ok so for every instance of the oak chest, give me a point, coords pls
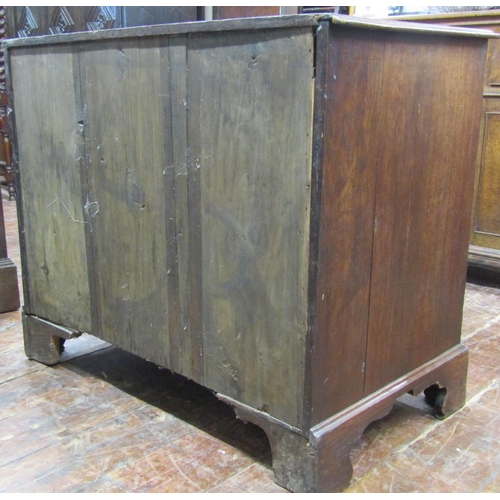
(276, 208)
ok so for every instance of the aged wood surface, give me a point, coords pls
(484, 234)
(130, 199)
(424, 180)
(147, 292)
(351, 140)
(272, 22)
(407, 27)
(43, 340)
(55, 257)
(254, 271)
(319, 461)
(177, 174)
(281, 215)
(321, 71)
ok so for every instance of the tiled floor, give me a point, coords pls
(111, 422)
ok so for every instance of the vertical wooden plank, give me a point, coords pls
(424, 196)
(461, 154)
(351, 141)
(251, 155)
(321, 71)
(195, 274)
(89, 209)
(131, 196)
(49, 160)
(179, 175)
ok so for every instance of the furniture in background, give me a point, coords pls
(9, 288)
(484, 249)
(6, 170)
(309, 274)
(29, 21)
(226, 12)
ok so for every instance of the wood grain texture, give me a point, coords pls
(131, 203)
(281, 215)
(254, 269)
(43, 340)
(54, 237)
(487, 20)
(487, 220)
(351, 141)
(483, 232)
(493, 62)
(177, 176)
(272, 22)
(424, 196)
(320, 462)
(318, 150)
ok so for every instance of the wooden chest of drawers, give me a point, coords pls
(276, 208)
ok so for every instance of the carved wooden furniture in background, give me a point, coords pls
(28, 21)
(43, 20)
(276, 208)
(6, 169)
(9, 288)
(484, 250)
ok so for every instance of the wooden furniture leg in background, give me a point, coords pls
(9, 288)
(7, 170)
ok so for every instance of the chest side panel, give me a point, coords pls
(424, 197)
(353, 86)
